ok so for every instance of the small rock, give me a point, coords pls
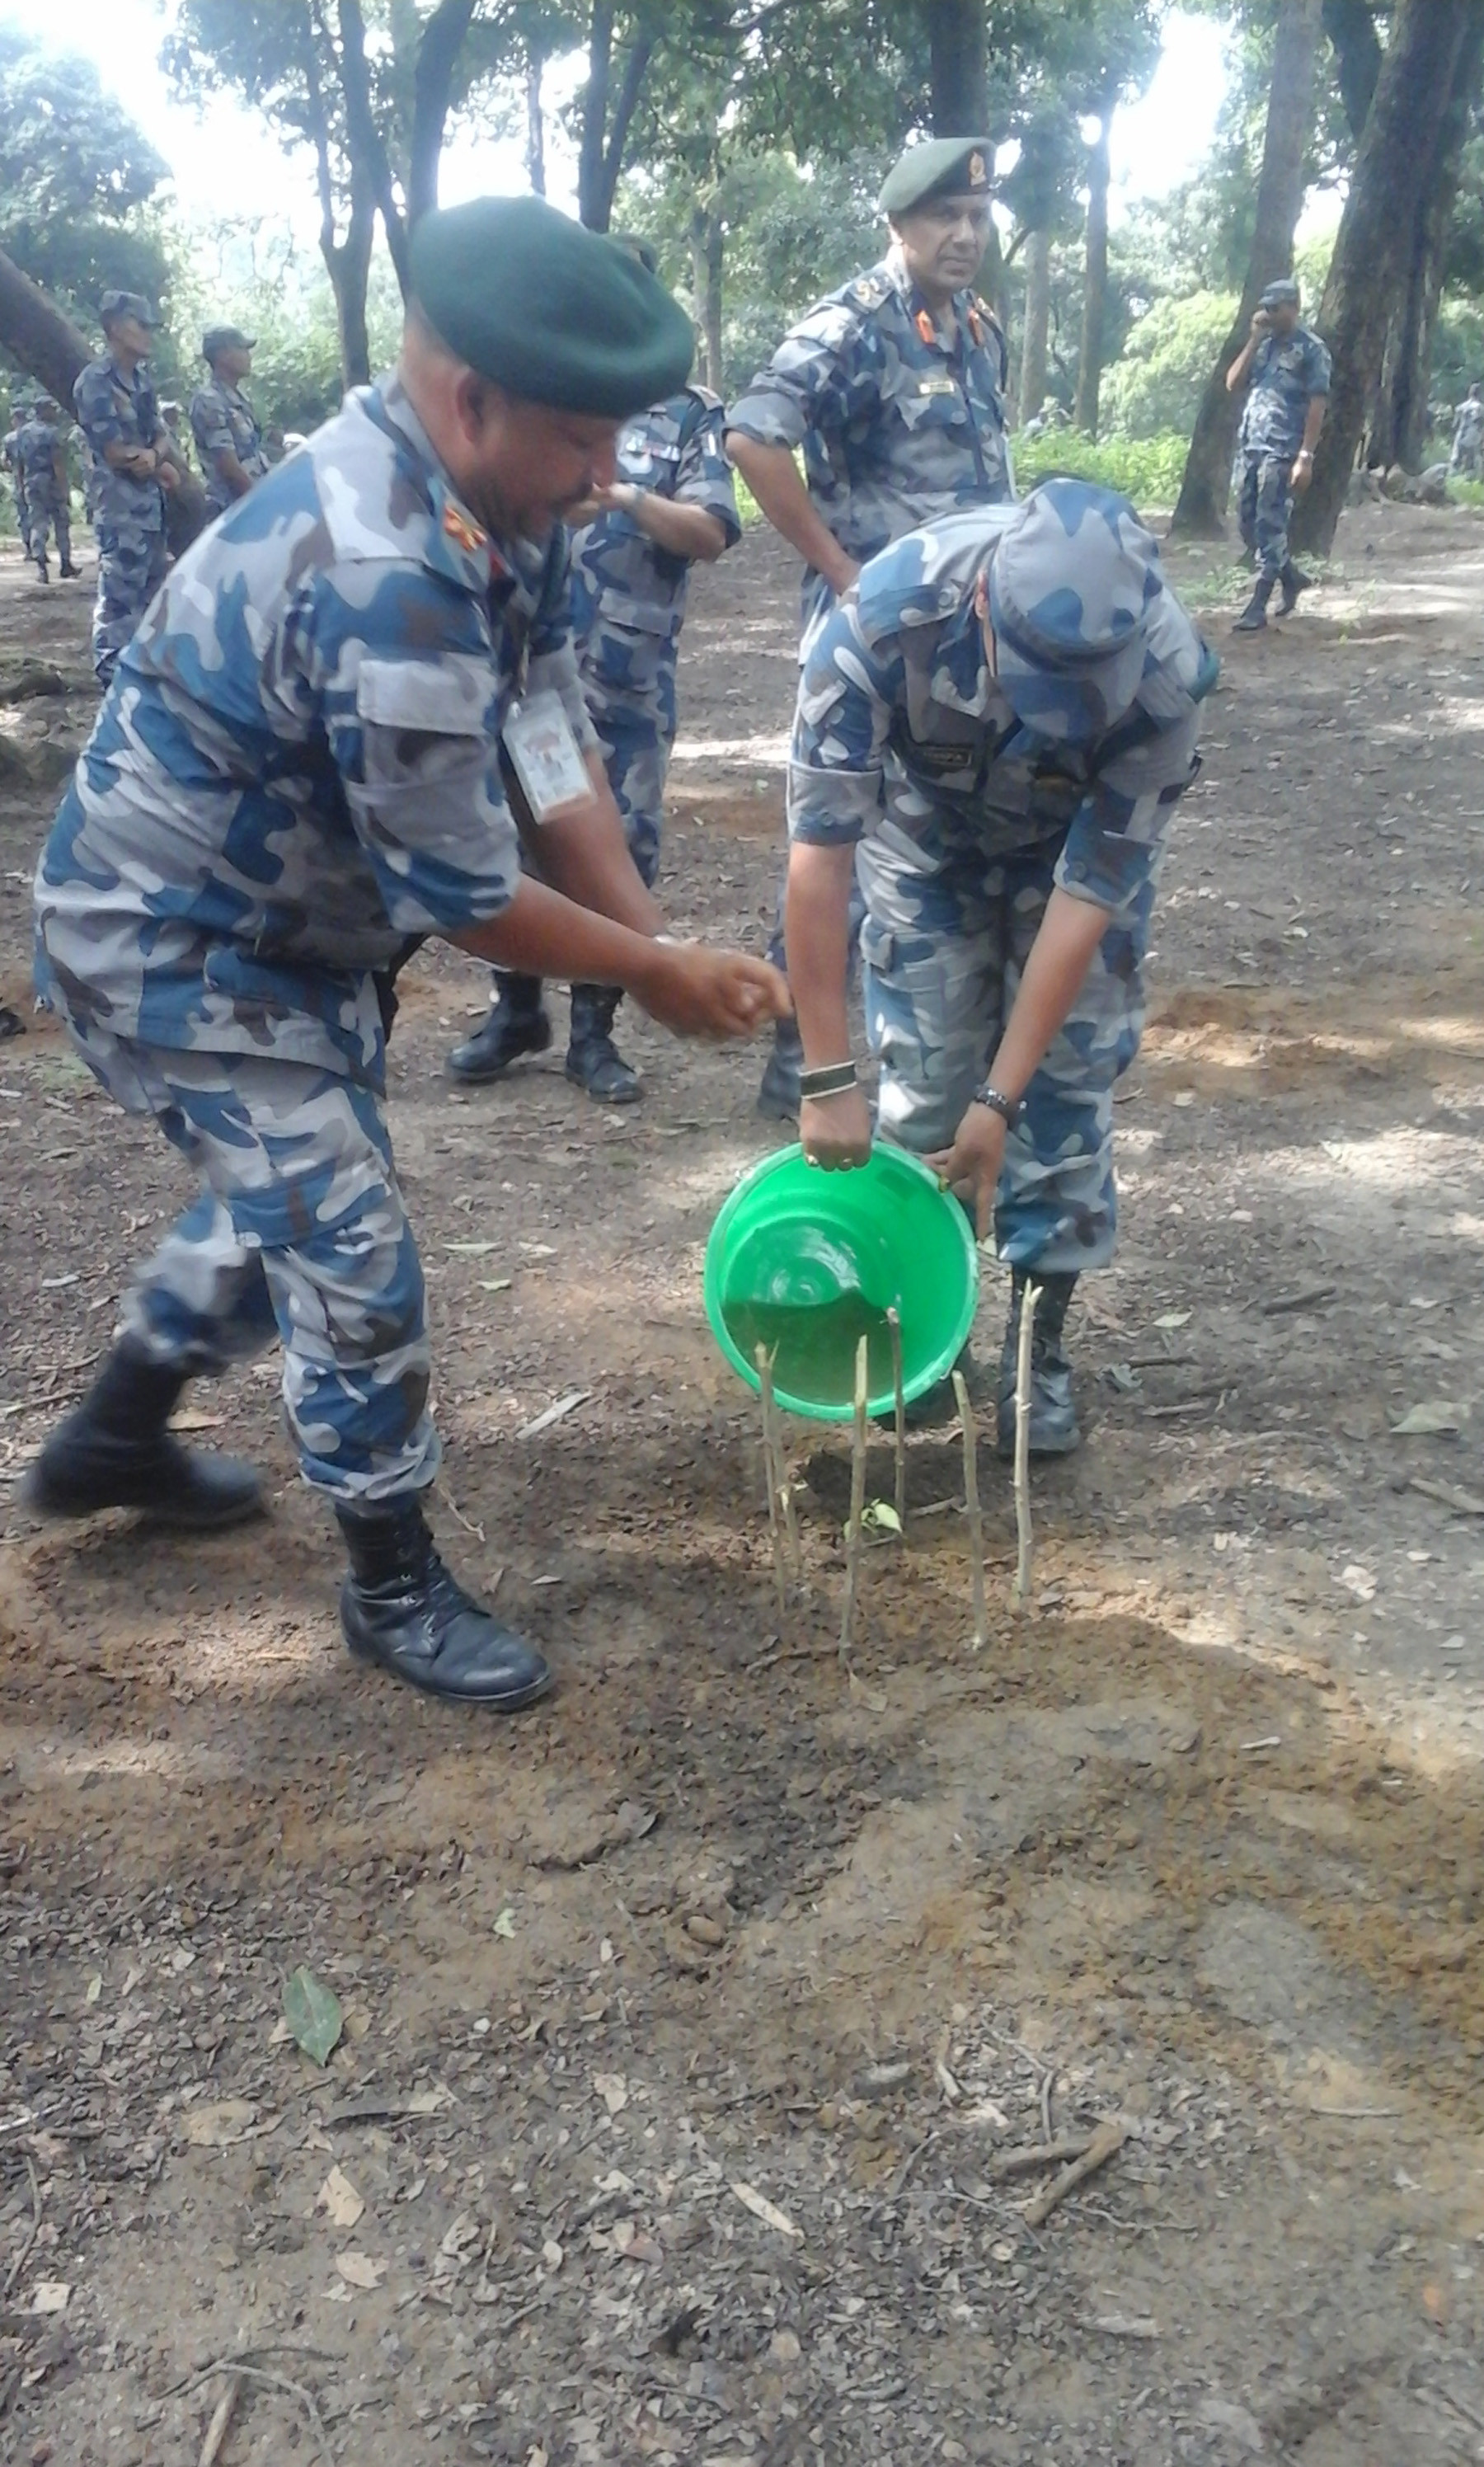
(783, 2348)
(705, 1931)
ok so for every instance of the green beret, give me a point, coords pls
(551, 311)
(949, 166)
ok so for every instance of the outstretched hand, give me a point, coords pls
(719, 994)
(972, 1166)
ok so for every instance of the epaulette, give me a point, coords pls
(867, 292)
(704, 396)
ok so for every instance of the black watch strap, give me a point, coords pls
(1008, 1108)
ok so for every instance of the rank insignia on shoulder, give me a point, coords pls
(459, 529)
(869, 291)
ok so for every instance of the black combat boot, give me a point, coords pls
(778, 1099)
(1254, 619)
(1294, 580)
(592, 1059)
(517, 1025)
(1053, 1418)
(42, 567)
(117, 1451)
(69, 571)
(400, 1607)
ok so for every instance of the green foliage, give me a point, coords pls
(76, 178)
(1156, 387)
(247, 272)
(1147, 470)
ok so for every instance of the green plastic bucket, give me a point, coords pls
(807, 1262)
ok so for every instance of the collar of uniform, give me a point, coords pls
(458, 544)
(915, 303)
(960, 677)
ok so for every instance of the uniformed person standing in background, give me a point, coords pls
(673, 504)
(1467, 452)
(265, 816)
(228, 439)
(119, 414)
(10, 457)
(993, 732)
(41, 449)
(1287, 371)
(893, 387)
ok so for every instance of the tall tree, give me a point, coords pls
(1399, 424)
(1281, 195)
(1393, 175)
(75, 173)
(1120, 50)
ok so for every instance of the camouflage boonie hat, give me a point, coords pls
(226, 338)
(125, 304)
(1069, 585)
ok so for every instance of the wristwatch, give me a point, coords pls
(1008, 1108)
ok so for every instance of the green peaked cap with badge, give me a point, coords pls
(947, 166)
(554, 313)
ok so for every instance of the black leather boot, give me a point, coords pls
(400, 1607)
(592, 1059)
(517, 1025)
(1254, 619)
(115, 1451)
(778, 1099)
(1294, 580)
(42, 567)
(69, 571)
(1053, 1416)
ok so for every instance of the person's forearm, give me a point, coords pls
(691, 532)
(816, 933)
(543, 933)
(230, 474)
(1313, 421)
(772, 474)
(582, 852)
(1236, 374)
(1060, 957)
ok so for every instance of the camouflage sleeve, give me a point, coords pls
(1118, 832)
(552, 656)
(1318, 367)
(403, 678)
(704, 475)
(846, 695)
(211, 426)
(98, 412)
(815, 380)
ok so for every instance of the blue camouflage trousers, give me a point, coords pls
(1264, 508)
(635, 734)
(947, 934)
(299, 1234)
(131, 564)
(50, 512)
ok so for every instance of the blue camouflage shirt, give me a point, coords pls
(901, 729)
(900, 414)
(37, 446)
(297, 767)
(114, 409)
(629, 593)
(223, 422)
(1287, 372)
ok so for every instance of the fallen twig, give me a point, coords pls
(1025, 1532)
(18, 2261)
(971, 1501)
(221, 2417)
(1105, 2142)
(1463, 1502)
(269, 2380)
(1307, 1298)
(854, 1531)
(1029, 2162)
(771, 1474)
(899, 1429)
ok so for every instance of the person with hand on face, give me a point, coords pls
(672, 506)
(993, 731)
(1287, 371)
(138, 459)
(295, 776)
(222, 421)
(894, 389)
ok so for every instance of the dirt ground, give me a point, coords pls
(690, 2020)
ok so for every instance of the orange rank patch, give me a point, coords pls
(457, 525)
(926, 326)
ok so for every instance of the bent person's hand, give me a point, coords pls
(972, 1166)
(720, 994)
(836, 1131)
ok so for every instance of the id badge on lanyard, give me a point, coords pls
(548, 760)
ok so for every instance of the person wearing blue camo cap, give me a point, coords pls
(993, 731)
(1285, 368)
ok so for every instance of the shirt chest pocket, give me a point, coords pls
(650, 462)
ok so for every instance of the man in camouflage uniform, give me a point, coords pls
(893, 387)
(119, 414)
(41, 450)
(229, 441)
(1288, 370)
(673, 503)
(297, 772)
(994, 727)
(1468, 450)
(10, 457)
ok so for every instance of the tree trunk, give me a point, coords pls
(959, 57)
(1206, 481)
(433, 83)
(1351, 26)
(1404, 408)
(535, 123)
(366, 147)
(1393, 175)
(1094, 293)
(347, 262)
(1037, 320)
